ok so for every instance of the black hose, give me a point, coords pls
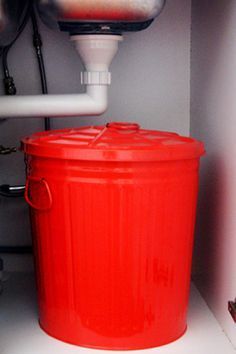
(37, 41)
(18, 191)
(8, 47)
(12, 191)
(10, 89)
(16, 250)
(9, 85)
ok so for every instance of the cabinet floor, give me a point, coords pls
(21, 334)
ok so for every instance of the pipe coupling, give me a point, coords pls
(96, 78)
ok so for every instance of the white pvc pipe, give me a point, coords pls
(97, 52)
(94, 102)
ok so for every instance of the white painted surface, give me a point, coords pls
(150, 85)
(213, 120)
(20, 332)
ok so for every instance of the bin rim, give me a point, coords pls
(117, 141)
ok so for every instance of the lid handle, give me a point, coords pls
(123, 126)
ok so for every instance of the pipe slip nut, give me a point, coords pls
(96, 78)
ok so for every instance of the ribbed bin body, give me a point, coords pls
(113, 246)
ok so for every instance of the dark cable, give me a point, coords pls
(16, 249)
(37, 42)
(12, 191)
(18, 191)
(10, 88)
(20, 30)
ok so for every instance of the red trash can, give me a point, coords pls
(113, 213)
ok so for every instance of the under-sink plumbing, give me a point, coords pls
(97, 52)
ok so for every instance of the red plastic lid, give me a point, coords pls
(113, 142)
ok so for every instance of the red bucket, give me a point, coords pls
(113, 213)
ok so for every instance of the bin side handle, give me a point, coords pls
(45, 185)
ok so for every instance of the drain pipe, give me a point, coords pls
(97, 53)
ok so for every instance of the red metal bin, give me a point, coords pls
(113, 213)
